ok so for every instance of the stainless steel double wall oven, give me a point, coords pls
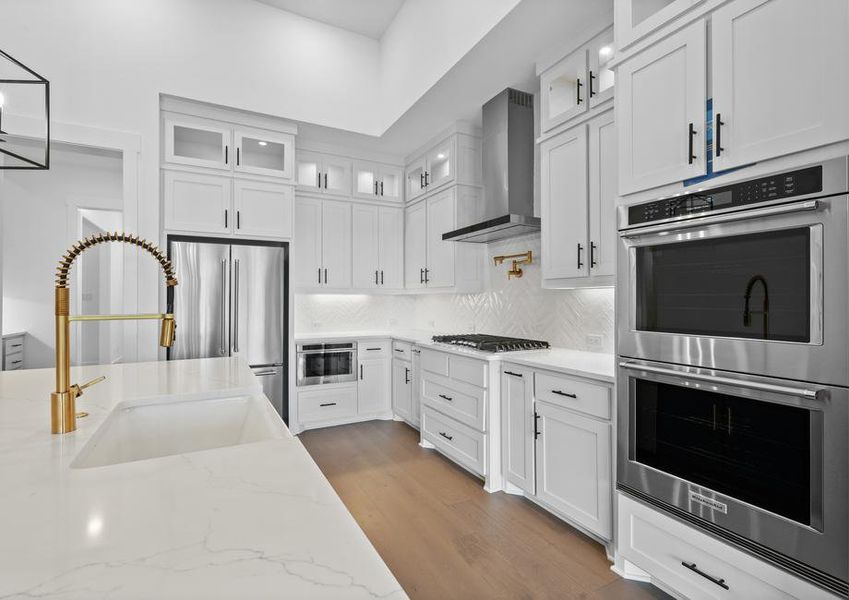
(733, 381)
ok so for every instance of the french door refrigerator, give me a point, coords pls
(232, 301)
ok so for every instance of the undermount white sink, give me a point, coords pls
(165, 426)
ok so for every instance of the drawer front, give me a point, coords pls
(468, 370)
(402, 350)
(460, 443)
(13, 362)
(327, 405)
(697, 565)
(467, 405)
(13, 345)
(435, 362)
(576, 394)
(373, 348)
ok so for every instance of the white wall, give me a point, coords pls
(38, 209)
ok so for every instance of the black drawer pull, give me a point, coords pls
(373, 349)
(444, 397)
(16, 345)
(16, 362)
(399, 350)
(328, 404)
(512, 373)
(567, 394)
(446, 436)
(692, 566)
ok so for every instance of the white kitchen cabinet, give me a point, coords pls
(454, 159)
(660, 106)
(564, 209)
(197, 202)
(573, 469)
(373, 387)
(197, 142)
(415, 178)
(376, 181)
(378, 246)
(601, 78)
(402, 389)
(323, 173)
(267, 153)
(441, 218)
(635, 19)
(564, 90)
(415, 245)
(322, 249)
(440, 164)
(322, 405)
(263, 209)
(518, 426)
(780, 78)
(416, 393)
(603, 193)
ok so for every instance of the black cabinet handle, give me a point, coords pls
(325, 276)
(512, 373)
(374, 349)
(226, 220)
(592, 77)
(325, 181)
(238, 219)
(578, 90)
(427, 183)
(361, 372)
(444, 397)
(375, 188)
(375, 277)
(226, 155)
(318, 179)
(580, 249)
(719, 124)
(328, 404)
(592, 255)
(238, 156)
(381, 277)
(692, 566)
(421, 181)
(690, 156)
(421, 275)
(536, 421)
(381, 188)
(398, 350)
(446, 436)
(427, 275)
(406, 375)
(561, 393)
(319, 275)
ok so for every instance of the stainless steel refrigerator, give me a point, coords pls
(232, 301)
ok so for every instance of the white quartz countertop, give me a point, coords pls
(595, 365)
(250, 521)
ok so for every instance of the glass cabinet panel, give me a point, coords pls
(197, 145)
(336, 175)
(307, 170)
(415, 179)
(601, 76)
(564, 90)
(365, 181)
(440, 165)
(390, 184)
(262, 154)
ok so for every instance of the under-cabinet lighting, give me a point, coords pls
(605, 51)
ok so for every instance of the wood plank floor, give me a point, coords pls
(444, 537)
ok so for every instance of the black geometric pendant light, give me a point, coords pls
(24, 116)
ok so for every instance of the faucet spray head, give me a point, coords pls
(167, 331)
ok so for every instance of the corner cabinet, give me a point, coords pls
(455, 159)
(660, 108)
(322, 249)
(578, 205)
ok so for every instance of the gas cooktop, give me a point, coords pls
(490, 343)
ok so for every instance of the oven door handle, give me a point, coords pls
(725, 218)
(750, 385)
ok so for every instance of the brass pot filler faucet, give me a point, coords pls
(63, 415)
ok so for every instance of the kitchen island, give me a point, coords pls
(252, 520)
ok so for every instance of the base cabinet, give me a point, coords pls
(518, 424)
(402, 389)
(373, 387)
(326, 404)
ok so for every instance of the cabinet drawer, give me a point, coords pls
(435, 362)
(13, 345)
(457, 441)
(373, 348)
(466, 405)
(327, 405)
(672, 551)
(402, 350)
(13, 362)
(576, 394)
(468, 370)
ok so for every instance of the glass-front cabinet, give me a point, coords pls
(601, 76)
(634, 19)
(197, 143)
(440, 164)
(376, 181)
(264, 153)
(564, 90)
(416, 178)
(323, 173)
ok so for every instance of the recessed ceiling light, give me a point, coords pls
(263, 143)
(440, 156)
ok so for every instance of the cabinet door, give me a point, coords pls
(366, 267)
(197, 144)
(197, 202)
(564, 90)
(372, 387)
(366, 180)
(601, 76)
(564, 205)
(265, 153)
(391, 183)
(402, 388)
(415, 178)
(604, 170)
(307, 171)
(439, 270)
(440, 164)
(336, 175)
(780, 77)
(336, 244)
(306, 255)
(263, 209)
(390, 244)
(573, 467)
(660, 106)
(415, 245)
(517, 427)
(416, 392)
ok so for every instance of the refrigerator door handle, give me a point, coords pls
(221, 348)
(265, 373)
(236, 305)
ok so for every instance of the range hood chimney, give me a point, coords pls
(508, 171)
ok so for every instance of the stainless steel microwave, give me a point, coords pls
(328, 362)
(751, 277)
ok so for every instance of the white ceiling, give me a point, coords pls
(366, 17)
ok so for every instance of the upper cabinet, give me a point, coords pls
(455, 159)
(322, 249)
(376, 181)
(577, 82)
(635, 19)
(323, 173)
(378, 247)
(217, 145)
(780, 78)
(660, 110)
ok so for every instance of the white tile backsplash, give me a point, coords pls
(518, 307)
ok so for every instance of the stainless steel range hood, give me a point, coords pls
(508, 171)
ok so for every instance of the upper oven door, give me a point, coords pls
(751, 291)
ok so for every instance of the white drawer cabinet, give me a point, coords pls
(575, 394)
(463, 402)
(13, 351)
(459, 442)
(327, 404)
(402, 350)
(698, 566)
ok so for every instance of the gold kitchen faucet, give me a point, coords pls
(63, 415)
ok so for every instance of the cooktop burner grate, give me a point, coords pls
(491, 343)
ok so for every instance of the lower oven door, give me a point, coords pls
(760, 462)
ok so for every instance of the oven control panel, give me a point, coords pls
(775, 187)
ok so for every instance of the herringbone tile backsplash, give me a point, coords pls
(518, 307)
